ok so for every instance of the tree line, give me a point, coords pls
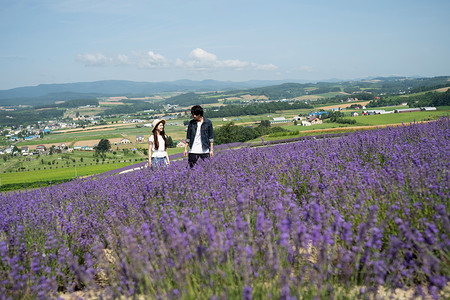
(70, 103)
(193, 99)
(427, 99)
(28, 116)
(254, 109)
(231, 133)
(131, 108)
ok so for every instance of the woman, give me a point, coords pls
(157, 145)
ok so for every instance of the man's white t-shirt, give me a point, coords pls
(197, 145)
(160, 152)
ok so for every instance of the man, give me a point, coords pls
(199, 137)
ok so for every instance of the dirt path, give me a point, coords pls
(343, 105)
(361, 127)
(96, 128)
(6, 166)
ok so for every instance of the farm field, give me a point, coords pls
(59, 174)
(66, 166)
(399, 118)
(177, 132)
(360, 216)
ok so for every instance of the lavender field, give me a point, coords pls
(335, 218)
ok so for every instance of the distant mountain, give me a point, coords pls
(50, 93)
(67, 91)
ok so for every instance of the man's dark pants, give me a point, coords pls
(193, 157)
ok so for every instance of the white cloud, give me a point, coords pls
(198, 60)
(123, 59)
(268, 67)
(141, 60)
(94, 59)
(151, 60)
(308, 69)
(201, 55)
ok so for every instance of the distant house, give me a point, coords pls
(297, 118)
(354, 114)
(427, 108)
(25, 150)
(139, 139)
(40, 148)
(318, 113)
(9, 150)
(60, 147)
(125, 141)
(181, 144)
(314, 120)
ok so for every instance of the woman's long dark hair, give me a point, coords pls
(155, 138)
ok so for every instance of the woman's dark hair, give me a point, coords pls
(155, 138)
(197, 110)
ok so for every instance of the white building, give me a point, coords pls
(279, 120)
(306, 123)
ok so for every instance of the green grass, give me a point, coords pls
(59, 173)
(397, 118)
(62, 167)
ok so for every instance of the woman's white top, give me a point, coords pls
(160, 151)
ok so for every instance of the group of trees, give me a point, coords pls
(70, 103)
(131, 108)
(427, 99)
(255, 109)
(28, 116)
(431, 99)
(338, 117)
(231, 133)
(105, 145)
(193, 99)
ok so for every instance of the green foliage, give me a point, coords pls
(192, 99)
(103, 146)
(71, 103)
(338, 117)
(31, 185)
(282, 91)
(424, 100)
(170, 142)
(231, 133)
(386, 102)
(255, 109)
(265, 123)
(432, 99)
(131, 108)
(28, 116)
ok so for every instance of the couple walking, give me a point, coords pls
(199, 139)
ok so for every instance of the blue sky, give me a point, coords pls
(62, 41)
